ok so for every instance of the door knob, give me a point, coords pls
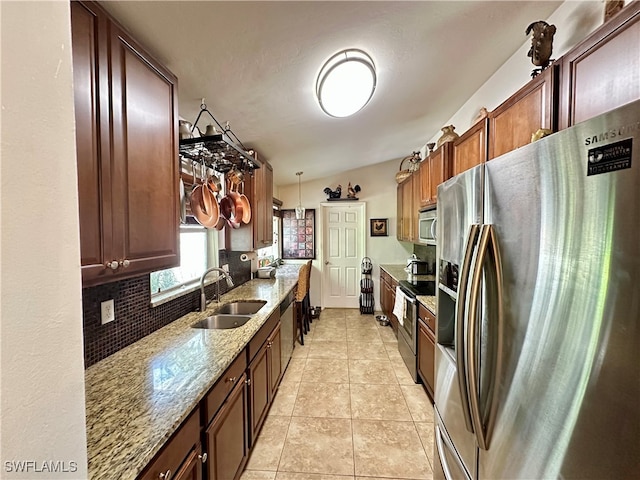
(125, 263)
(112, 265)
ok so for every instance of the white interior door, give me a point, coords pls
(343, 249)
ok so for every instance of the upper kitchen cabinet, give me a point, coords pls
(258, 233)
(407, 209)
(127, 151)
(434, 170)
(529, 109)
(602, 72)
(470, 149)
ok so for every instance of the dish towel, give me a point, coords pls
(399, 306)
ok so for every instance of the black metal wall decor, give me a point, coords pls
(298, 236)
(336, 195)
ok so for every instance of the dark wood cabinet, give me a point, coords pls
(470, 149)
(182, 453)
(426, 348)
(127, 151)
(258, 233)
(531, 108)
(603, 71)
(434, 170)
(192, 467)
(388, 298)
(426, 357)
(265, 372)
(227, 436)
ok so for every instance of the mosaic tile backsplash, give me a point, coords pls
(135, 318)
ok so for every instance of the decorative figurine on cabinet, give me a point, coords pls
(352, 191)
(541, 45)
(333, 194)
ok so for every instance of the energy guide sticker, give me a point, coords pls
(609, 158)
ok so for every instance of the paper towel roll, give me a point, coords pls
(250, 257)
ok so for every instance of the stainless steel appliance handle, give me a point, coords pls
(487, 250)
(433, 229)
(460, 335)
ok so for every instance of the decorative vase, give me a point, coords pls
(448, 135)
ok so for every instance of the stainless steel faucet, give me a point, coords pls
(203, 297)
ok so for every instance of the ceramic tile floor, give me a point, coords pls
(347, 409)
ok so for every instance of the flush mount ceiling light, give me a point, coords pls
(346, 83)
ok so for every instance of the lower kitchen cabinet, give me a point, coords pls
(191, 469)
(264, 377)
(426, 348)
(181, 456)
(227, 440)
(388, 298)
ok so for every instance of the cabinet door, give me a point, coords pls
(192, 467)
(90, 70)
(439, 170)
(426, 357)
(425, 182)
(227, 442)
(145, 158)
(602, 72)
(532, 107)
(259, 391)
(263, 226)
(470, 149)
(274, 347)
(406, 189)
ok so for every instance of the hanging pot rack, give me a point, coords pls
(222, 151)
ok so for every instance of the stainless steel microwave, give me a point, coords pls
(427, 227)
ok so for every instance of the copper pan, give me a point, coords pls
(246, 207)
(237, 216)
(203, 205)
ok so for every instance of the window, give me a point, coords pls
(198, 251)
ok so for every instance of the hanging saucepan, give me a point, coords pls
(246, 207)
(203, 205)
(228, 208)
(237, 218)
(183, 202)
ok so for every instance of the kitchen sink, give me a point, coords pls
(222, 321)
(242, 308)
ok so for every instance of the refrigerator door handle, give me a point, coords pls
(487, 251)
(461, 330)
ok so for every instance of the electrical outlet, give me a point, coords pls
(108, 313)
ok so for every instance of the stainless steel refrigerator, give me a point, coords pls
(538, 341)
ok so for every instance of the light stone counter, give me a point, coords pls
(139, 396)
(398, 272)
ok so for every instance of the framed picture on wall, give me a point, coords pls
(298, 236)
(378, 227)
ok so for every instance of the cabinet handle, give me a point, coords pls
(165, 476)
(231, 379)
(248, 382)
(112, 265)
(125, 263)
(203, 457)
(269, 344)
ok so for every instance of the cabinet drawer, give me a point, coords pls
(216, 396)
(259, 338)
(427, 317)
(176, 450)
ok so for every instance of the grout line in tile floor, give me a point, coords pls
(365, 462)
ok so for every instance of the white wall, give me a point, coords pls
(379, 192)
(574, 20)
(42, 390)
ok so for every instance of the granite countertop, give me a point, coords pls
(398, 272)
(136, 398)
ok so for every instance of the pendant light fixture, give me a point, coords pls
(299, 208)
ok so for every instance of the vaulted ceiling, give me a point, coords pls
(256, 63)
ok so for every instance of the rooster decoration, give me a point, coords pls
(541, 45)
(337, 193)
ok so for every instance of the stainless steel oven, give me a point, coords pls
(408, 330)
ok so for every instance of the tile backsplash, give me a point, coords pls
(134, 316)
